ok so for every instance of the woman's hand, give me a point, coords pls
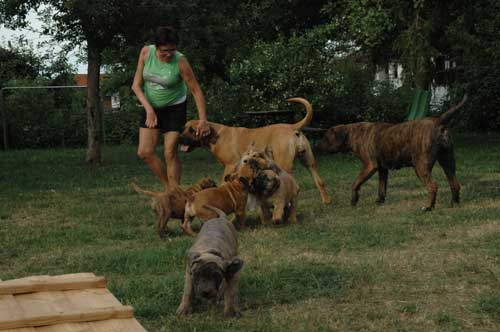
(151, 119)
(203, 128)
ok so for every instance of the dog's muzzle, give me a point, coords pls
(188, 144)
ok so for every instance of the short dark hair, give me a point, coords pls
(165, 35)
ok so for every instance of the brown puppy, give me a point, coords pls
(228, 144)
(171, 202)
(384, 146)
(230, 197)
(212, 265)
(272, 187)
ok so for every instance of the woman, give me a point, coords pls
(161, 81)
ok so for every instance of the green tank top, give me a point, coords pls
(163, 84)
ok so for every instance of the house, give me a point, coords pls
(110, 102)
(393, 72)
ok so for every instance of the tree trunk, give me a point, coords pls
(94, 109)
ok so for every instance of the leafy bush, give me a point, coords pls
(341, 89)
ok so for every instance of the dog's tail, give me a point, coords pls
(216, 210)
(445, 117)
(143, 191)
(309, 115)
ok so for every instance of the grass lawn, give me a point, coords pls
(370, 268)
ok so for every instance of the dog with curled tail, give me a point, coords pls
(213, 266)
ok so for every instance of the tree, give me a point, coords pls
(412, 31)
(92, 22)
(17, 63)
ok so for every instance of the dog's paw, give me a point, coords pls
(380, 201)
(426, 209)
(183, 311)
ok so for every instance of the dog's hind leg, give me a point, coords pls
(447, 162)
(307, 159)
(424, 172)
(186, 224)
(162, 219)
(366, 173)
(383, 174)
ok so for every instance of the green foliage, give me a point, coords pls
(341, 89)
(475, 34)
(17, 63)
(122, 126)
(38, 118)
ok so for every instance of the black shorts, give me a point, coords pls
(170, 118)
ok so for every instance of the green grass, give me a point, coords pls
(370, 268)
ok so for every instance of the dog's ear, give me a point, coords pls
(192, 258)
(245, 182)
(210, 138)
(233, 267)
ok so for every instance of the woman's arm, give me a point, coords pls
(151, 119)
(187, 75)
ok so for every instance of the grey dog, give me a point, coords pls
(212, 266)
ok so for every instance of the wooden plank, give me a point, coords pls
(92, 298)
(11, 308)
(72, 316)
(49, 285)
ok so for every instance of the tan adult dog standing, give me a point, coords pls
(384, 146)
(287, 142)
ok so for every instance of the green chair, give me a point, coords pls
(419, 105)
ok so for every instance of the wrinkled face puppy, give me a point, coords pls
(260, 159)
(246, 175)
(266, 183)
(207, 280)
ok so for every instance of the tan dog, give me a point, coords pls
(228, 144)
(171, 202)
(230, 197)
(384, 146)
(272, 187)
(212, 265)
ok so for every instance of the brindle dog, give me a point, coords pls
(212, 265)
(171, 202)
(382, 147)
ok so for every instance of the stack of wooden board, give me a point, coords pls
(70, 303)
